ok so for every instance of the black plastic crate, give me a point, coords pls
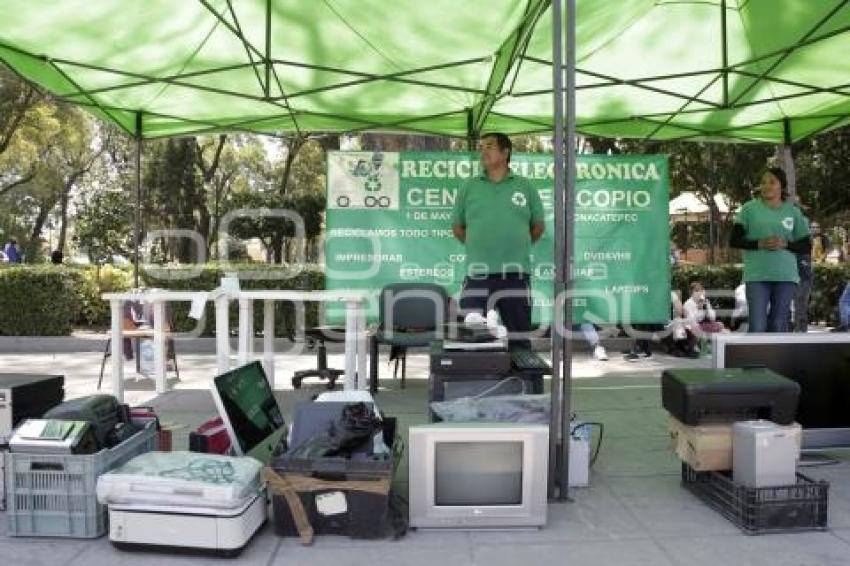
(762, 510)
(366, 515)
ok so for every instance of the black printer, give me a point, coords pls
(695, 396)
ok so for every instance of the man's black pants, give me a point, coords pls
(509, 294)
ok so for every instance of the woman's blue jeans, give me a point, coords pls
(769, 304)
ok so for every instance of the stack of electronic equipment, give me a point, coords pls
(476, 376)
(23, 396)
(55, 460)
(734, 431)
(477, 466)
(184, 500)
(335, 478)
(202, 502)
(475, 361)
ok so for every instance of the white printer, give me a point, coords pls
(206, 502)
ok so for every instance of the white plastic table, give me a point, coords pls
(355, 329)
(157, 300)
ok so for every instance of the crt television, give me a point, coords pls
(250, 412)
(818, 361)
(478, 475)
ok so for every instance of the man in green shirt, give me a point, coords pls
(498, 216)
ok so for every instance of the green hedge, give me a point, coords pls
(39, 301)
(51, 300)
(829, 282)
(94, 311)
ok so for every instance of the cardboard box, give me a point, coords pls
(708, 447)
(703, 447)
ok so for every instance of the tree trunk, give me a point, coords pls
(11, 185)
(63, 211)
(294, 146)
(277, 249)
(38, 226)
(713, 215)
(212, 242)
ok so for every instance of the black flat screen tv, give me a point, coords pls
(818, 361)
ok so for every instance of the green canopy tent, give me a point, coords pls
(732, 70)
(738, 70)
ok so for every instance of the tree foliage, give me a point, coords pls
(823, 175)
(104, 226)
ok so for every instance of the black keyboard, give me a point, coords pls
(526, 360)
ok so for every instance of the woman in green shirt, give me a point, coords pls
(771, 231)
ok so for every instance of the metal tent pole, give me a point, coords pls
(569, 246)
(786, 157)
(138, 223)
(471, 136)
(557, 336)
(712, 220)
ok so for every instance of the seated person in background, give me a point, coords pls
(674, 333)
(700, 316)
(129, 321)
(641, 347)
(138, 315)
(683, 340)
(592, 338)
(740, 312)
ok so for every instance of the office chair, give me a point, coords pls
(316, 337)
(410, 315)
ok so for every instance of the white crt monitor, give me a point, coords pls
(478, 475)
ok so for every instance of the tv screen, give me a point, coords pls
(478, 473)
(819, 362)
(249, 404)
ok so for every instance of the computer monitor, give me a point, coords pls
(818, 361)
(249, 410)
(478, 475)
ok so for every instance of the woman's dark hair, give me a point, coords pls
(779, 173)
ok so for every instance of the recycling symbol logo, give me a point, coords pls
(518, 199)
(788, 223)
(372, 183)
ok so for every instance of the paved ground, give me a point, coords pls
(634, 513)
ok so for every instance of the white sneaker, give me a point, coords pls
(600, 354)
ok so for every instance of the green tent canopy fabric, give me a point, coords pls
(733, 70)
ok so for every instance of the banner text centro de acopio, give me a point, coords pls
(389, 220)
